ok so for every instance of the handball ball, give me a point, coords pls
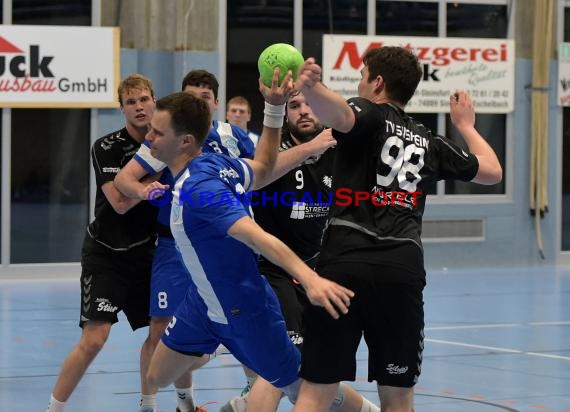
(281, 55)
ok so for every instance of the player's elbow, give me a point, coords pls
(120, 208)
(497, 175)
(489, 175)
(120, 204)
(260, 180)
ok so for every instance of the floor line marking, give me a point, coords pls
(497, 349)
(553, 323)
(482, 326)
(547, 355)
(498, 325)
(470, 345)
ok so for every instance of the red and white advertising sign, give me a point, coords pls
(483, 67)
(59, 66)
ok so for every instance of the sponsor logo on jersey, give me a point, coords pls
(228, 173)
(301, 210)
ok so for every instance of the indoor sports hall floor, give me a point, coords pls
(496, 340)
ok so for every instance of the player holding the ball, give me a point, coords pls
(229, 302)
(377, 251)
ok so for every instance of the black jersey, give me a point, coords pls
(295, 207)
(390, 157)
(118, 232)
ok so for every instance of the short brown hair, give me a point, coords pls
(202, 78)
(189, 114)
(399, 68)
(134, 82)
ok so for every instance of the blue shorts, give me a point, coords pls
(169, 281)
(259, 341)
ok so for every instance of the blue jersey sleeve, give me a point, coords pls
(229, 139)
(147, 161)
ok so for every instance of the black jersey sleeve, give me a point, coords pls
(106, 159)
(454, 162)
(365, 124)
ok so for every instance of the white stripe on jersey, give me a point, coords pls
(254, 137)
(190, 258)
(246, 175)
(144, 155)
(227, 139)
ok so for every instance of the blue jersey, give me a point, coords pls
(208, 200)
(228, 139)
(228, 302)
(163, 217)
(222, 138)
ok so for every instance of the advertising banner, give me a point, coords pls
(483, 67)
(59, 66)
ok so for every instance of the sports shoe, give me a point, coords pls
(236, 404)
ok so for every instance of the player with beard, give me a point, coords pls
(294, 208)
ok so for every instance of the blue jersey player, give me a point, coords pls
(169, 276)
(229, 302)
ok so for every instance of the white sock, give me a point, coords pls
(147, 401)
(185, 399)
(55, 405)
(368, 406)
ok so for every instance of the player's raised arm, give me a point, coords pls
(330, 107)
(266, 152)
(463, 118)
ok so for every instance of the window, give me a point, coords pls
(485, 21)
(566, 177)
(50, 160)
(408, 18)
(252, 25)
(565, 241)
(476, 20)
(61, 12)
(50, 184)
(273, 21)
(320, 17)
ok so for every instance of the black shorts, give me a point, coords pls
(292, 299)
(112, 281)
(390, 316)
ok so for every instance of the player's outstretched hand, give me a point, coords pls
(277, 94)
(461, 109)
(309, 74)
(330, 295)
